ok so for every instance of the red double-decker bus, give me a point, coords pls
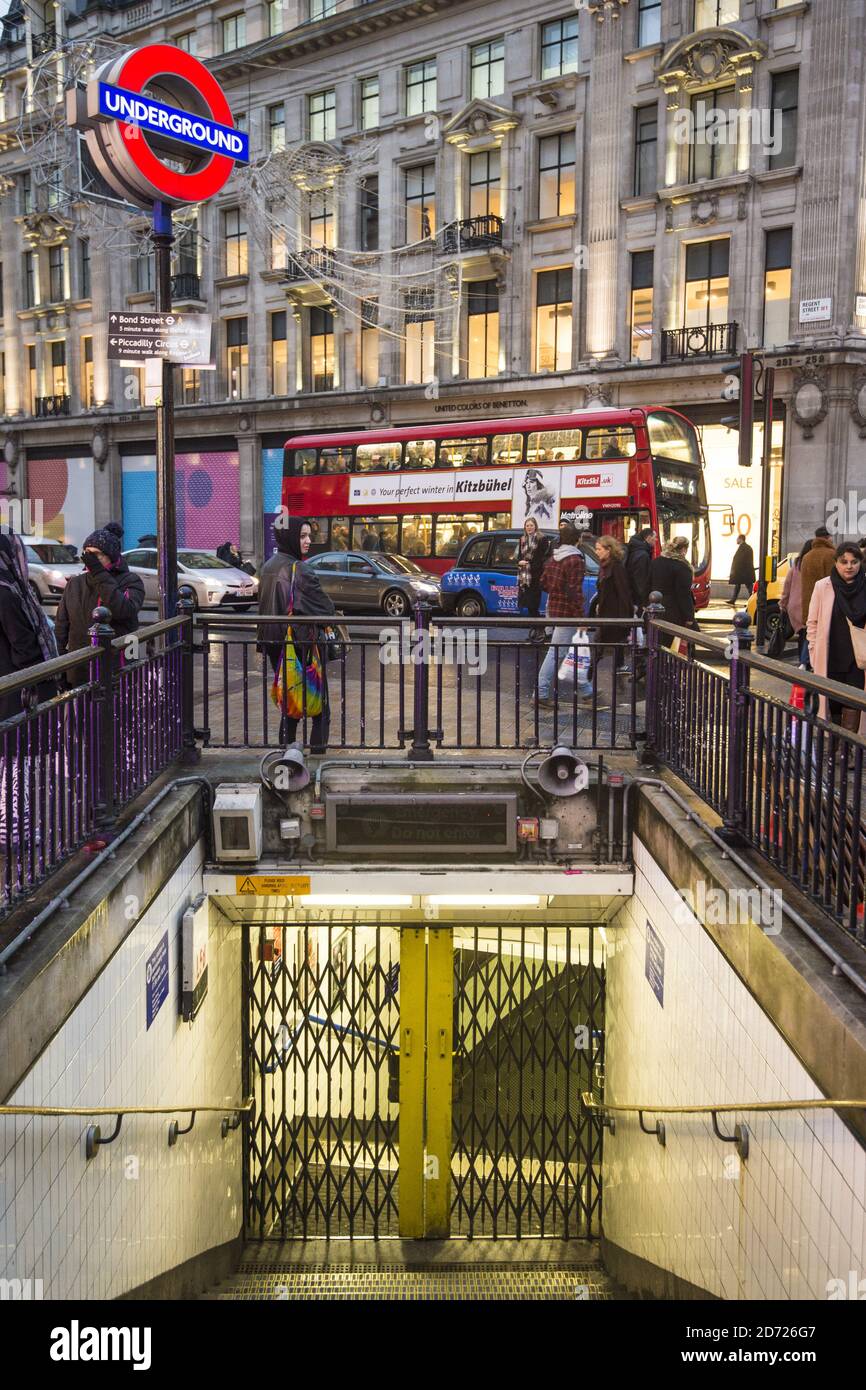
(422, 490)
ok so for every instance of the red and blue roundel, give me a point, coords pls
(150, 108)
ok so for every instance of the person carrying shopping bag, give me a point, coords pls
(562, 580)
(298, 652)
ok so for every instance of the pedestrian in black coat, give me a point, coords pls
(26, 638)
(107, 582)
(638, 563)
(742, 569)
(672, 575)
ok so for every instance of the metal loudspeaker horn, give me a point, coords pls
(286, 770)
(563, 773)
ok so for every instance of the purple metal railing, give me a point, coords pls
(398, 688)
(785, 782)
(68, 765)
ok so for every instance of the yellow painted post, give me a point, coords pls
(440, 1047)
(410, 1196)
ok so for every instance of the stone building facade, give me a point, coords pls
(474, 209)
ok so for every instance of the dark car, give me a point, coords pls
(484, 579)
(366, 579)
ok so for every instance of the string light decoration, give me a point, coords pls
(275, 191)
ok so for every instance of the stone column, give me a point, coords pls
(604, 178)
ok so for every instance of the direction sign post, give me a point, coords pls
(142, 109)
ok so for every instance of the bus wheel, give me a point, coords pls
(395, 604)
(470, 606)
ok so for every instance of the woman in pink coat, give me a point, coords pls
(791, 602)
(836, 601)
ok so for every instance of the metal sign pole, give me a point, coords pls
(765, 559)
(166, 513)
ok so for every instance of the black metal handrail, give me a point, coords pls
(304, 265)
(411, 685)
(46, 406)
(187, 285)
(708, 340)
(472, 233)
(786, 781)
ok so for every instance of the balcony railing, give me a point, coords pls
(710, 340)
(310, 265)
(186, 286)
(472, 233)
(46, 406)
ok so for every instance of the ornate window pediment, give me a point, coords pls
(713, 56)
(44, 229)
(480, 122)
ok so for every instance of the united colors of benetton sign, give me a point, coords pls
(146, 109)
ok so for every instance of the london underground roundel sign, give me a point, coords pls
(159, 127)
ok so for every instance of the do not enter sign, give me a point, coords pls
(148, 108)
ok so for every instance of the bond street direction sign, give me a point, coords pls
(180, 338)
(146, 107)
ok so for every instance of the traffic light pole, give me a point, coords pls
(765, 558)
(166, 516)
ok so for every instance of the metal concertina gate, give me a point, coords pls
(421, 1081)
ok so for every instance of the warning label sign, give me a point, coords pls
(272, 885)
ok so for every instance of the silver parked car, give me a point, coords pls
(214, 583)
(51, 564)
(366, 579)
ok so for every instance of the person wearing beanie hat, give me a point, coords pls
(285, 580)
(107, 582)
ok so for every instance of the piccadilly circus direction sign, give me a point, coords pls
(148, 109)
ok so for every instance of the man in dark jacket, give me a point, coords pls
(107, 582)
(638, 561)
(287, 582)
(742, 569)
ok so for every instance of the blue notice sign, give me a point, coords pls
(655, 963)
(156, 975)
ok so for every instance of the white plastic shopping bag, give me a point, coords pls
(576, 662)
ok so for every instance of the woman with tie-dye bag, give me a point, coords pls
(297, 653)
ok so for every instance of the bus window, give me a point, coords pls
(462, 453)
(508, 448)
(691, 525)
(497, 521)
(379, 458)
(336, 460)
(452, 531)
(375, 533)
(305, 461)
(339, 533)
(416, 536)
(553, 446)
(634, 522)
(672, 438)
(318, 533)
(421, 453)
(610, 442)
